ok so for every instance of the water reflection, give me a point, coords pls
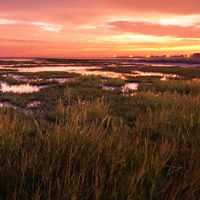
(57, 69)
(140, 73)
(88, 70)
(7, 105)
(163, 77)
(16, 77)
(130, 86)
(61, 80)
(33, 104)
(109, 88)
(124, 88)
(24, 88)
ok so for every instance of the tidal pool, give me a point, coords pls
(7, 105)
(24, 88)
(130, 86)
(61, 80)
(33, 104)
(56, 69)
(124, 88)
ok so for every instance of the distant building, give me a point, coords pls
(196, 55)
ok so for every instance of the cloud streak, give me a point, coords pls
(19, 40)
(156, 29)
(44, 26)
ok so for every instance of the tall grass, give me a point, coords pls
(146, 148)
(182, 87)
(115, 82)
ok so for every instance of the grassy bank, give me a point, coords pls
(95, 144)
(186, 72)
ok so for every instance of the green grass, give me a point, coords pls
(187, 72)
(142, 79)
(47, 75)
(119, 69)
(115, 82)
(86, 82)
(181, 87)
(11, 81)
(43, 82)
(87, 143)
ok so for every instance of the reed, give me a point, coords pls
(107, 146)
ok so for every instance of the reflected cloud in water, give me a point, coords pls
(24, 88)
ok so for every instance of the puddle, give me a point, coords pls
(8, 105)
(90, 70)
(17, 77)
(33, 104)
(109, 88)
(87, 70)
(164, 77)
(56, 69)
(125, 88)
(61, 80)
(140, 73)
(104, 74)
(24, 88)
(130, 86)
(75, 69)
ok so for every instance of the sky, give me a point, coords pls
(98, 28)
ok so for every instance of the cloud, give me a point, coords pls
(48, 27)
(20, 41)
(7, 21)
(155, 29)
(43, 26)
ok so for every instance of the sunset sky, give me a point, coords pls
(81, 28)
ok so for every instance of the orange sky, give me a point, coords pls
(81, 28)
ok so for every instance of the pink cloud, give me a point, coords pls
(156, 29)
(65, 25)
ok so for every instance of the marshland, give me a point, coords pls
(99, 129)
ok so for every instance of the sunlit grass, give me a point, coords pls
(115, 82)
(181, 87)
(94, 144)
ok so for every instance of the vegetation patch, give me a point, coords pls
(115, 82)
(82, 142)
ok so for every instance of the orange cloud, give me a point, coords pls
(88, 27)
(156, 29)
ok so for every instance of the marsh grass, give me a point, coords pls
(117, 69)
(43, 82)
(47, 75)
(115, 82)
(142, 79)
(181, 87)
(95, 144)
(87, 82)
(89, 154)
(187, 72)
(12, 81)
